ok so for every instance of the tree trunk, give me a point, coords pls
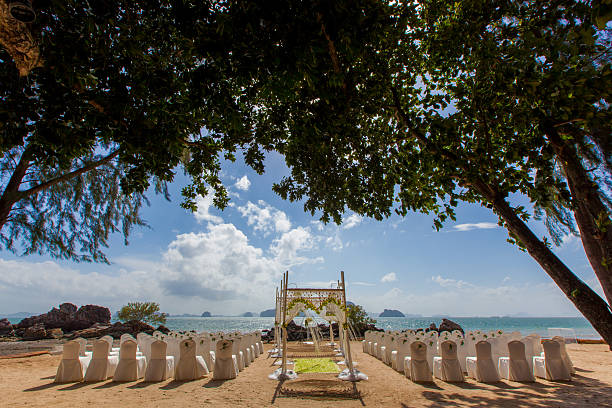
(589, 303)
(17, 39)
(11, 193)
(591, 214)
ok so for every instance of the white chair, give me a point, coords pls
(415, 366)
(551, 366)
(131, 367)
(515, 366)
(190, 366)
(403, 351)
(144, 341)
(226, 366)
(566, 358)
(259, 342)
(83, 347)
(245, 350)
(447, 367)
(102, 365)
(203, 349)
(482, 367)
(72, 366)
(236, 352)
(364, 342)
(160, 366)
(531, 349)
(387, 349)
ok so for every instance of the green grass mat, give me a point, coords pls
(315, 365)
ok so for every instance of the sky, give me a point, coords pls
(230, 262)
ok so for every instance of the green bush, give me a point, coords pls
(147, 312)
(358, 318)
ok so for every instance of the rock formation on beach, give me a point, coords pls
(68, 318)
(449, 325)
(391, 313)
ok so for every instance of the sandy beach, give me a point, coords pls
(29, 382)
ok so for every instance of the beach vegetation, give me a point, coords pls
(357, 317)
(147, 312)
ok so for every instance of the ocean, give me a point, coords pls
(579, 326)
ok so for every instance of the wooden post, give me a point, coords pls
(276, 315)
(284, 309)
(347, 351)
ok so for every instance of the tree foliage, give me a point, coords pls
(358, 318)
(147, 312)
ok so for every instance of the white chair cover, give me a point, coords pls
(566, 358)
(72, 366)
(190, 366)
(203, 349)
(415, 366)
(515, 366)
(144, 344)
(447, 367)
(259, 342)
(83, 347)
(160, 366)
(482, 367)
(102, 365)
(387, 349)
(226, 366)
(237, 353)
(403, 351)
(126, 336)
(551, 366)
(131, 367)
(245, 350)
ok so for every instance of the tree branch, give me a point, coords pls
(67, 176)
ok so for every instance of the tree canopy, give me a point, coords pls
(147, 312)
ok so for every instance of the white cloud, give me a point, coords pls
(202, 214)
(506, 279)
(351, 221)
(362, 283)
(451, 283)
(390, 277)
(478, 225)
(334, 242)
(243, 183)
(286, 248)
(265, 218)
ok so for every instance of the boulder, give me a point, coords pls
(449, 325)
(55, 333)
(132, 327)
(6, 328)
(36, 332)
(68, 308)
(163, 329)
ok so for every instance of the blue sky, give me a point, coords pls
(229, 262)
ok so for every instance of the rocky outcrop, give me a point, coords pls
(69, 318)
(35, 332)
(391, 313)
(449, 325)
(6, 328)
(206, 314)
(132, 327)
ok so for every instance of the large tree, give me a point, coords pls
(117, 101)
(418, 106)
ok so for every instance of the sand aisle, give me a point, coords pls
(27, 382)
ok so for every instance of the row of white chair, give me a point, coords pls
(148, 358)
(396, 349)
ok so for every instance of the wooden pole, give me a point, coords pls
(276, 333)
(284, 369)
(348, 358)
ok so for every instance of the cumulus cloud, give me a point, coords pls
(203, 213)
(478, 225)
(351, 221)
(217, 264)
(243, 183)
(265, 218)
(390, 277)
(287, 247)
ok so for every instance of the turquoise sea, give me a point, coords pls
(540, 325)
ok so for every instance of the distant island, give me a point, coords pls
(247, 314)
(183, 315)
(206, 314)
(268, 313)
(391, 313)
